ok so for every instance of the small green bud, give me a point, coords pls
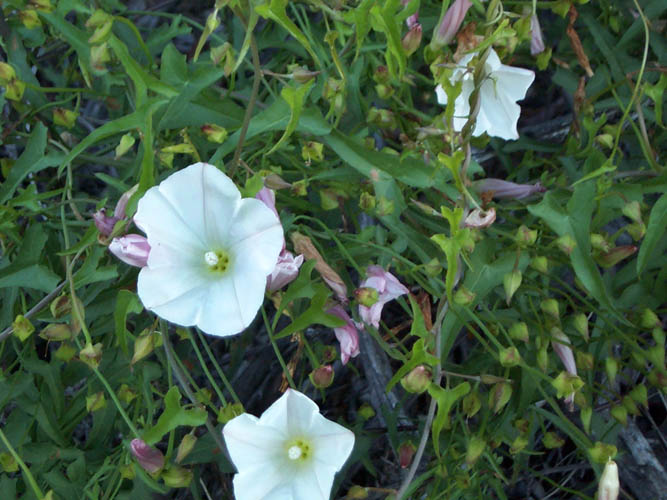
(300, 188)
(550, 308)
(91, 354)
(509, 357)
(312, 151)
(418, 380)
(543, 358)
(214, 133)
(471, 404)
(551, 440)
(606, 140)
(511, 283)
(185, 447)
(301, 74)
(599, 242)
(649, 319)
(412, 40)
(540, 264)
(519, 331)
(144, 344)
(519, 444)
(177, 477)
(639, 394)
(22, 328)
(433, 267)
(638, 360)
(29, 18)
(56, 332)
(566, 384)
(566, 244)
(322, 377)
(7, 73)
(64, 117)
(367, 202)
(381, 74)
(637, 230)
(525, 236)
(366, 411)
(586, 414)
(499, 396)
(656, 355)
(601, 453)
(229, 412)
(630, 405)
(611, 367)
(14, 90)
(65, 352)
(99, 56)
(125, 394)
(384, 91)
(633, 211)
(126, 142)
(95, 402)
(475, 448)
(329, 199)
(580, 322)
(464, 297)
(620, 414)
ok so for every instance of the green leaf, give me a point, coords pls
(419, 356)
(302, 287)
(126, 303)
(315, 314)
(88, 238)
(295, 99)
(34, 151)
(276, 12)
(173, 416)
(656, 93)
(575, 221)
(657, 224)
(25, 271)
(446, 398)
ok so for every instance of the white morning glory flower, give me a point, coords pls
(502, 87)
(210, 251)
(290, 453)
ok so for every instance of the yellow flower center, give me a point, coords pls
(298, 450)
(217, 260)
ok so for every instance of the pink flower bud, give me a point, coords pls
(347, 335)
(286, 270)
(508, 190)
(103, 222)
(451, 22)
(268, 197)
(322, 377)
(561, 345)
(413, 19)
(119, 211)
(150, 459)
(536, 42)
(406, 451)
(412, 39)
(388, 288)
(132, 249)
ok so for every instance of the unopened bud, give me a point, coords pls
(637, 230)
(525, 236)
(64, 117)
(609, 485)
(540, 264)
(640, 395)
(566, 244)
(301, 74)
(630, 405)
(29, 18)
(656, 355)
(476, 447)
(56, 332)
(649, 319)
(322, 377)
(7, 73)
(433, 267)
(418, 380)
(99, 56)
(543, 358)
(95, 402)
(125, 394)
(499, 396)
(22, 328)
(406, 451)
(551, 440)
(599, 242)
(519, 444)
(633, 211)
(150, 459)
(471, 404)
(144, 344)
(550, 308)
(312, 151)
(464, 297)
(384, 91)
(381, 75)
(412, 39)
(511, 283)
(616, 255)
(509, 357)
(450, 23)
(366, 411)
(620, 414)
(214, 133)
(184, 449)
(14, 90)
(580, 322)
(91, 354)
(519, 331)
(611, 367)
(367, 202)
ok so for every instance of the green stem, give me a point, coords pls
(24, 468)
(269, 330)
(210, 378)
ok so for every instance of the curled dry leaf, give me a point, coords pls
(576, 42)
(303, 245)
(479, 218)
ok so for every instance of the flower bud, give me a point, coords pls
(144, 344)
(384, 91)
(412, 39)
(509, 357)
(184, 449)
(95, 402)
(563, 348)
(367, 202)
(418, 380)
(550, 308)
(551, 440)
(471, 404)
(381, 75)
(519, 444)
(630, 405)
(476, 447)
(580, 322)
(150, 459)
(366, 411)
(91, 354)
(14, 90)
(22, 328)
(649, 319)
(525, 236)
(366, 296)
(7, 73)
(633, 211)
(640, 395)
(125, 394)
(615, 255)
(511, 283)
(611, 367)
(540, 264)
(464, 297)
(214, 133)
(566, 244)
(99, 56)
(56, 332)
(132, 249)
(312, 151)
(29, 18)
(505, 190)
(566, 384)
(286, 271)
(450, 23)
(543, 358)
(620, 414)
(103, 222)
(519, 331)
(536, 41)
(406, 451)
(636, 230)
(656, 355)
(499, 396)
(64, 117)
(65, 352)
(609, 485)
(322, 377)
(586, 414)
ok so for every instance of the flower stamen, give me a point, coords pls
(298, 450)
(217, 260)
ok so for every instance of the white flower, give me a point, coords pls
(502, 87)
(210, 251)
(290, 453)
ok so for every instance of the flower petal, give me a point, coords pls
(332, 443)
(265, 482)
(499, 113)
(513, 82)
(251, 444)
(231, 304)
(314, 483)
(293, 412)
